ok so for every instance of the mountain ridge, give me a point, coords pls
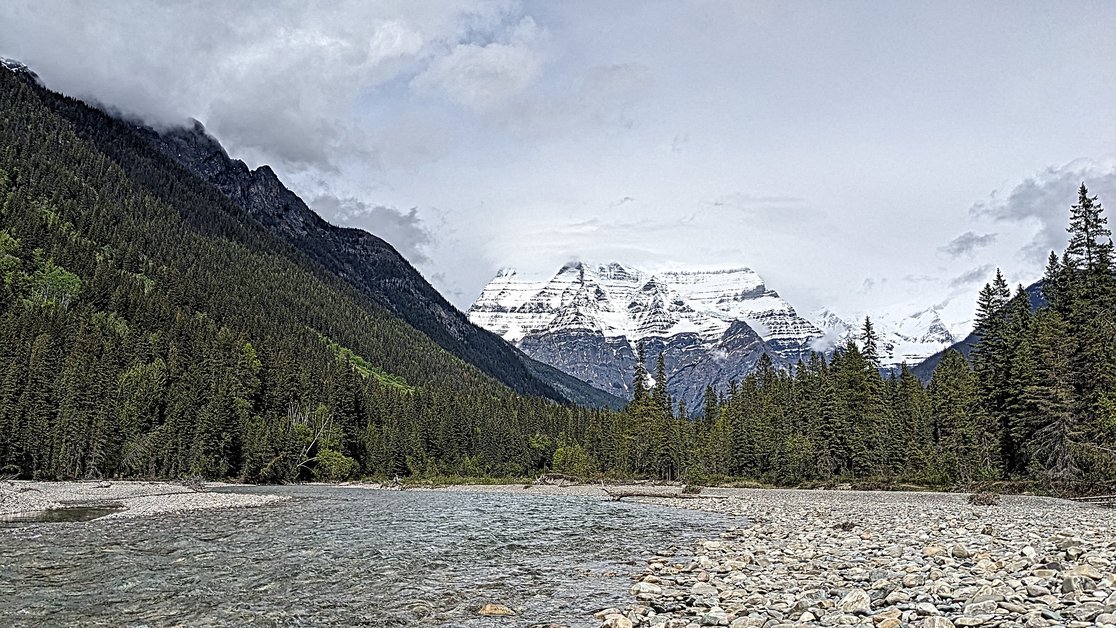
(587, 320)
(365, 261)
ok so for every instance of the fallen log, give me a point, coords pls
(1095, 498)
(618, 495)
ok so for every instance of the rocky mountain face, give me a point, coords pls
(904, 338)
(711, 326)
(924, 369)
(368, 263)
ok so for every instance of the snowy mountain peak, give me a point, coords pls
(621, 301)
(905, 336)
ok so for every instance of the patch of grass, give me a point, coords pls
(364, 367)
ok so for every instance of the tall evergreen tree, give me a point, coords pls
(870, 341)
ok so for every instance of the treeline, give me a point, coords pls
(1036, 403)
(150, 328)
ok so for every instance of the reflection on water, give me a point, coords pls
(67, 514)
(337, 556)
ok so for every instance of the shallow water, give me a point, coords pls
(341, 556)
(67, 514)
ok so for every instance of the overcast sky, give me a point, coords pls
(857, 155)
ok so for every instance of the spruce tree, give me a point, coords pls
(639, 379)
(870, 341)
(1047, 400)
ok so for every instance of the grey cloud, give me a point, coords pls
(975, 275)
(1045, 198)
(483, 77)
(967, 243)
(596, 97)
(277, 82)
(404, 230)
(776, 214)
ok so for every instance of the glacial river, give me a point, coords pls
(341, 557)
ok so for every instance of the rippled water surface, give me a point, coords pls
(341, 556)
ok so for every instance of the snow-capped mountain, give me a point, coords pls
(904, 337)
(711, 326)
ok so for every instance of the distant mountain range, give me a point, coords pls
(571, 337)
(712, 326)
(904, 338)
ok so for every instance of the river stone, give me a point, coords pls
(926, 608)
(966, 620)
(1034, 590)
(1077, 583)
(891, 613)
(646, 590)
(1106, 619)
(617, 621)
(912, 580)
(986, 607)
(702, 589)
(496, 610)
(936, 622)
(1088, 571)
(715, 617)
(960, 552)
(931, 551)
(855, 601)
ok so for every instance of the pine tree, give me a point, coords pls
(639, 380)
(870, 341)
(1047, 400)
(963, 433)
(659, 395)
(710, 405)
(1090, 244)
(1055, 284)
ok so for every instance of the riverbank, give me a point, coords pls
(884, 559)
(136, 499)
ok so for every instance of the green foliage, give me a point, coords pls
(365, 368)
(53, 285)
(333, 466)
(151, 328)
(573, 459)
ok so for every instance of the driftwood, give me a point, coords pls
(616, 495)
(558, 479)
(1098, 500)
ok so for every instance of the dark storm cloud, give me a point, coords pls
(967, 243)
(277, 82)
(975, 275)
(1045, 199)
(404, 230)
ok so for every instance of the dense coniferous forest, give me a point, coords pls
(1037, 403)
(151, 328)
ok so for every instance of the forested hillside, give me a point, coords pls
(152, 328)
(1037, 403)
(371, 265)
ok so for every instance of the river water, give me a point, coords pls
(338, 556)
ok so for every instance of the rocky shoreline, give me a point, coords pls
(883, 559)
(133, 499)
